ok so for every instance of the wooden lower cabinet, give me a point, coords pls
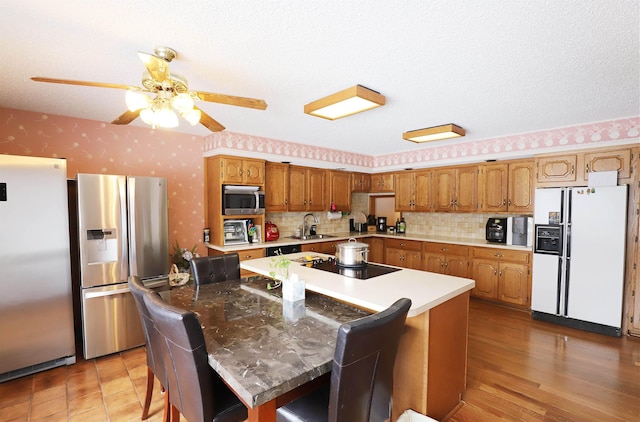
(328, 248)
(446, 259)
(502, 275)
(403, 253)
(244, 255)
(376, 249)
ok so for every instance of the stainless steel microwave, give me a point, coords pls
(242, 200)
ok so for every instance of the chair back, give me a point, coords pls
(196, 390)
(153, 342)
(213, 269)
(362, 373)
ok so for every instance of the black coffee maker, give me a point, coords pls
(381, 225)
(496, 230)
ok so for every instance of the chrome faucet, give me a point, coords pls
(304, 223)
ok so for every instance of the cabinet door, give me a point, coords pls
(297, 188)
(619, 160)
(413, 260)
(376, 250)
(457, 266)
(232, 170)
(404, 191)
(494, 184)
(556, 169)
(422, 191)
(339, 187)
(444, 182)
(521, 187)
(393, 256)
(466, 192)
(328, 248)
(514, 284)
(434, 263)
(276, 187)
(382, 182)
(316, 189)
(485, 274)
(360, 182)
(253, 171)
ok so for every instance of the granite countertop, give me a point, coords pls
(426, 290)
(261, 346)
(343, 236)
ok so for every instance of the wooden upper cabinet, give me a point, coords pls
(276, 187)
(413, 190)
(574, 169)
(245, 171)
(307, 189)
(339, 189)
(423, 194)
(507, 187)
(520, 187)
(382, 182)
(403, 184)
(360, 182)
(455, 189)
(616, 160)
(557, 169)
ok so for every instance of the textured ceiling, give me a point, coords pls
(494, 67)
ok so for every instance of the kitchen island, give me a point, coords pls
(430, 370)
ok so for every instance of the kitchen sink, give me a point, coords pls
(312, 237)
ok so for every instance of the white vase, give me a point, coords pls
(293, 288)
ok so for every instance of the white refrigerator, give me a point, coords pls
(579, 257)
(36, 307)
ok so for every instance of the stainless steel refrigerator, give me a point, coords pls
(123, 231)
(579, 257)
(36, 310)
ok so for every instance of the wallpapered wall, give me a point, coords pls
(96, 147)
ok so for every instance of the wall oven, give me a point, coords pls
(242, 200)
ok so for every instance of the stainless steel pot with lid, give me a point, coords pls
(352, 253)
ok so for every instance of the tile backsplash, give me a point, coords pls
(457, 225)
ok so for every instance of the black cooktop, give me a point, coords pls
(367, 271)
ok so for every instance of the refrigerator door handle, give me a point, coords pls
(124, 255)
(132, 224)
(559, 286)
(93, 295)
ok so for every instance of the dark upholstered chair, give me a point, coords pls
(197, 392)
(213, 269)
(155, 365)
(362, 373)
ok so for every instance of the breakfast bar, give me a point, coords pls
(430, 370)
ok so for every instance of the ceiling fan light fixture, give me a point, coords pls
(435, 133)
(182, 102)
(345, 103)
(136, 100)
(192, 116)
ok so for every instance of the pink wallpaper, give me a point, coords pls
(96, 147)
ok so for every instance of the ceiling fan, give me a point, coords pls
(163, 94)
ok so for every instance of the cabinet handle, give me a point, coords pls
(240, 172)
(504, 202)
(495, 272)
(286, 202)
(509, 202)
(304, 202)
(573, 169)
(310, 201)
(587, 168)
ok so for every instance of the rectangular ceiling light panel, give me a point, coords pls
(345, 103)
(435, 133)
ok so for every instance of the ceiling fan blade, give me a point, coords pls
(126, 117)
(83, 83)
(231, 100)
(209, 122)
(158, 68)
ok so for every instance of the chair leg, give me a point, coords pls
(166, 415)
(147, 398)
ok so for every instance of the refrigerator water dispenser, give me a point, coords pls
(102, 246)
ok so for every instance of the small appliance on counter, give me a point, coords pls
(496, 230)
(381, 225)
(271, 232)
(520, 231)
(235, 232)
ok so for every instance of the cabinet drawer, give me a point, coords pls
(411, 245)
(502, 255)
(251, 254)
(445, 248)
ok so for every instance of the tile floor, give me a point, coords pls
(109, 388)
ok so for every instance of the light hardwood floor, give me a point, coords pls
(519, 370)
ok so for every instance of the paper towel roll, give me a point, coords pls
(334, 215)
